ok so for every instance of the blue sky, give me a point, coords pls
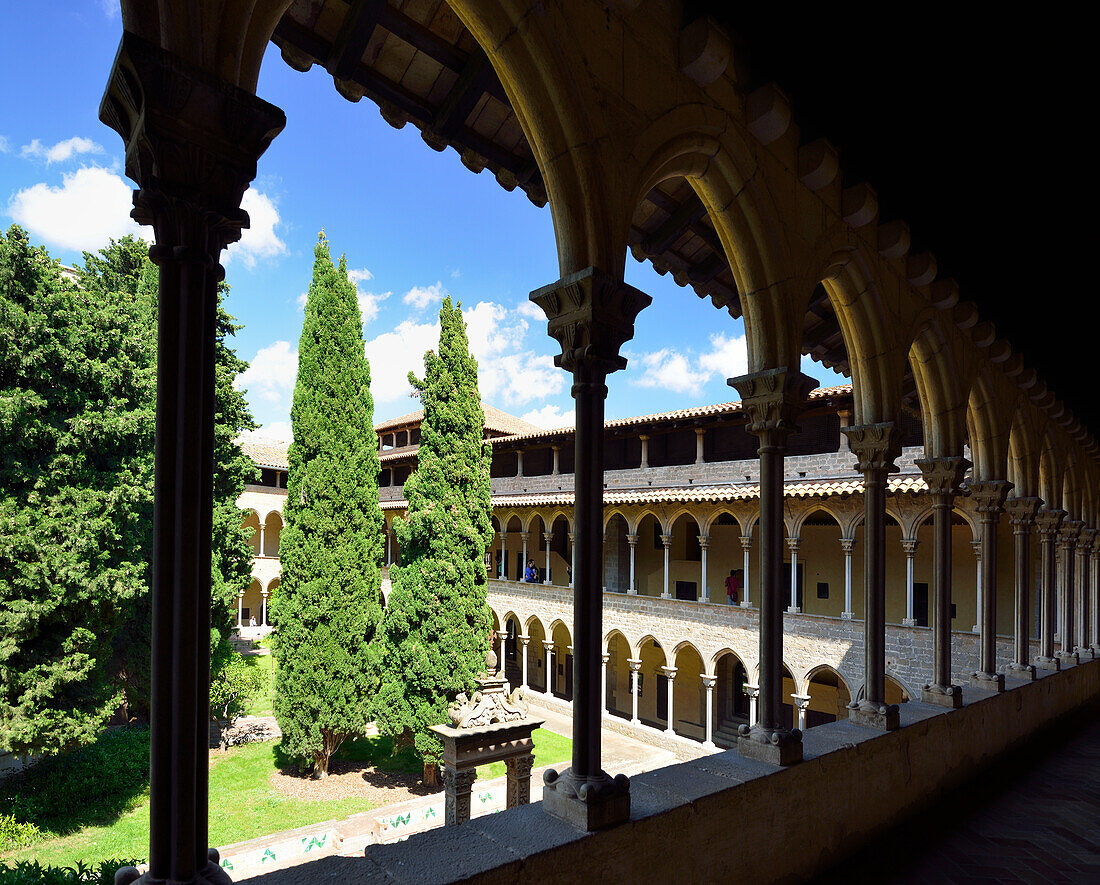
(413, 223)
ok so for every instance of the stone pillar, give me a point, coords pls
(263, 549)
(976, 546)
(457, 785)
(943, 476)
(704, 543)
(699, 434)
(263, 610)
(192, 142)
(845, 417)
(753, 692)
(635, 668)
(802, 703)
(846, 544)
(523, 565)
(771, 400)
(1021, 512)
(503, 545)
(793, 544)
(547, 647)
(240, 609)
(670, 679)
(389, 559)
(909, 547)
(603, 682)
(1084, 548)
(524, 640)
(746, 546)
(708, 683)
(1049, 521)
(1071, 528)
(875, 447)
(632, 542)
(990, 497)
(556, 469)
(547, 537)
(518, 770)
(519, 462)
(572, 557)
(666, 540)
(645, 449)
(1094, 591)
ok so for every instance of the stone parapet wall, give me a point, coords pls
(809, 641)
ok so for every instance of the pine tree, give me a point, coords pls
(330, 601)
(437, 622)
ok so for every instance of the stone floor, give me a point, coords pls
(1032, 818)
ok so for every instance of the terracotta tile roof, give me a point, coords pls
(495, 420)
(703, 494)
(265, 452)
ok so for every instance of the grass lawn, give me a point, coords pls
(263, 704)
(549, 748)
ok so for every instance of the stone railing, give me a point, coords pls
(809, 640)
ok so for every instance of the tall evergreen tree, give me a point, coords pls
(330, 600)
(437, 622)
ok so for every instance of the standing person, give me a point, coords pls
(734, 585)
(531, 576)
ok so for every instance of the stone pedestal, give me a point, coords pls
(587, 804)
(988, 681)
(949, 696)
(774, 747)
(1052, 664)
(1025, 672)
(884, 717)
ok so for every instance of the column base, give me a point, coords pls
(1025, 672)
(586, 803)
(1067, 658)
(775, 746)
(211, 874)
(976, 629)
(793, 610)
(988, 681)
(909, 622)
(949, 696)
(1085, 653)
(746, 604)
(848, 616)
(1048, 664)
(666, 596)
(883, 717)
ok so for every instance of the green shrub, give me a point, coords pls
(14, 834)
(33, 873)
(91, 784)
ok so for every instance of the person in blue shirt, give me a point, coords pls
(531, 576)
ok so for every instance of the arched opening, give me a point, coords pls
(536, 655)
(617, 700)
(251, 523)
(829, 697)
(685, 559)
(725, 559)
(896, 693)
(273, 529)
(560, 662)
(689, 706)
(561, 553)
(512, 564)
(819, 587)
(616, 556)
(649, 557)
(731, 704)
(537, 550)
(251, 603)
(787, 713)
(512, 661)
(266, 611)
(652, 684)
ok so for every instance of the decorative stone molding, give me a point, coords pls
(909, 546)
(989, 496)
(943, 476)
(1049, 521)
(772, 399)
(875, 446)
(591, 314)
(1022, 511)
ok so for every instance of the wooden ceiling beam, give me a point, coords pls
(673, 227)
(355, 32)
(472, 83)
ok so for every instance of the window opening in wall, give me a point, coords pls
(662, 697)
(954, 612)
(920, 604)
(687, 590)
(822, 589)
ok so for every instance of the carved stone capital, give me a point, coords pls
(943, 476)
(666, 540)
(631, 539)
(1070, 529)
(875, 446)
(709, 682)
(192, 141)
(909, 546)
(1087, 541)
(704, 541)
(746, 542)
(1021, 511)
(773, 399)
(591, 315)
(847, 544)
(1049, 521)
(989, 495)
(793, 544)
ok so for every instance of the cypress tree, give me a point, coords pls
(437, 622)
(329, 602)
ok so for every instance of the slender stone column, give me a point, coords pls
(943, 476)
(802, 704)
(746, 546)
(670, 679)
(555, 470)
(503, 546)
(263, 610)
(666, 540)
(704, 543)
(523, 564)
(263, 548)
(192, 142)
(524, 640)
(708, 683)
(846, 544)
(699, 434)
(772, 401)
(1094, 591)
(990, 497)
(1021, 512)
(549, 675)
(389, 559)
(1048, 521)
(753, 692)
(519, 462)
(1071, 528)
(591, 314)
(793, 544)
(632, 541)
(603, 682)
(875, 446)
(645, 449)
(572, 557)
(457, 786)
(909, 547)
(1081, 631)
(547, 537)
(635, 669)
(977, 548)
(240, 609)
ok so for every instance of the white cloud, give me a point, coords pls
(301, 300)
(91, 206)
(455, 274)
(5, 147)
(684, 373)
(62, 151)
(272, 373)
(259, 239)
(421, 296)
(393, 355)
(728, 357)
(531, 310)
(359, 275)
(370, 303)
(551, 417)
(110, 8)
(276, 430)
